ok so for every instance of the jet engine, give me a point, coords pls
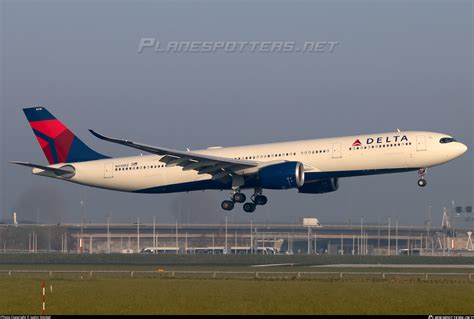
(282, 175)
(319, 187)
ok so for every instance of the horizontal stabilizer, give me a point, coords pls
(56, 171)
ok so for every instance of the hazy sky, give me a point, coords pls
(398, 64)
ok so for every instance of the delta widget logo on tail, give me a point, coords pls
(58, 143)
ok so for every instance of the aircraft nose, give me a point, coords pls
(461, 148)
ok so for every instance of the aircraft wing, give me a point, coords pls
(217, 166)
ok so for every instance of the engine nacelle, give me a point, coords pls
(319, 187)
(282, 176)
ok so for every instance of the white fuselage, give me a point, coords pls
(322, 158)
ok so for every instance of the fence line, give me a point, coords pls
(252, 274)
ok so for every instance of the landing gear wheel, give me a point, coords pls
(422, 174)
(422, 182)
(239, 197)
(227, 205)
(249, 207)
(260, 200)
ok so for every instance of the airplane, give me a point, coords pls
(309, 166)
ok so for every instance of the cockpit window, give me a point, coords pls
(445, 140)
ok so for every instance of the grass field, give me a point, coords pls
(155, 292)
(207, 296)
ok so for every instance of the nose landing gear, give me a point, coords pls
(422, 173)
(422, 182)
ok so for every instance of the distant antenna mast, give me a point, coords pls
(469, 241)
(15, 222)
(440, 244)
(445, 222)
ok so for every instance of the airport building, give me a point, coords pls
(306, 236)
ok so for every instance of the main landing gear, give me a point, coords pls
(258, 198)
(249, 207)
(422, 174)
(237, 197)
(227, 205)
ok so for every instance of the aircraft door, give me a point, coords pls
(336, 150)
(421, 143)
(109, 170)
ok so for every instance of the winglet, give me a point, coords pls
(111, 139)
(102, 137)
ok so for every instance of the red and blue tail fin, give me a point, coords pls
(59, 144)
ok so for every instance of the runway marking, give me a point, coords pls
(274, 265)
(392, 266)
